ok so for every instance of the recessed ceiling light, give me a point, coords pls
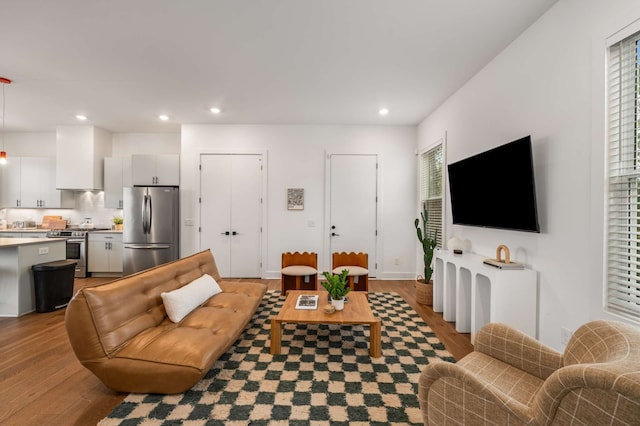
(215, 110)
(163, 117)
(383, 111)
(81, 117)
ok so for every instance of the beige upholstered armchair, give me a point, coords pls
(512, 379)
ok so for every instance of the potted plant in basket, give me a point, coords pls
(424, 286)
(118, 221)
(337, 287)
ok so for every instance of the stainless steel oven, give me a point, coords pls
(76, 248)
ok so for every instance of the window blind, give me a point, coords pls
(623, 175)
(431, 190)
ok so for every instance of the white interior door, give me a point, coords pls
(353, 205)
(231, 212)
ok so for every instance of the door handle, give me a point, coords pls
(224, 233)
(333, 234)
(234, 233)
(147, 246)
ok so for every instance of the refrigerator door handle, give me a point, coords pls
(146, 213)
(147, 246)
(149, 215)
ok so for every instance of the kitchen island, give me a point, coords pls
(17, 256)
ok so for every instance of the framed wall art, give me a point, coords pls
(295, 198)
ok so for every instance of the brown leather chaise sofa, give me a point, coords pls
(512, 379)
(121, 332)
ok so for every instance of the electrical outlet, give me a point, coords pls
(396, 261)
(188, 222)
(565, 335)
(43, 250)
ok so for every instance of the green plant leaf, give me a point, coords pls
(336, 284)
(428, 243)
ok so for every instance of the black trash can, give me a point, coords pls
(53, 282)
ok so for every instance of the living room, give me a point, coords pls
(549, 82)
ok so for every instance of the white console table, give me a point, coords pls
(473, 294)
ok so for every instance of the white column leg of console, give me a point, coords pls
(438, 285)
(463, 301)
(449, 298)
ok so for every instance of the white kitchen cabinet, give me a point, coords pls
(10, 183)
(104, 253)
(159, 170)
(117, 174)
(29, 182)
(50, 197)
(5, 234)
(38, 175)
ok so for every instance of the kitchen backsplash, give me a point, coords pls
(89, 204)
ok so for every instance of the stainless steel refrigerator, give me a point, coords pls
(151, 233)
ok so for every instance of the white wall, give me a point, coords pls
(125, 144)
(37, 144)
(548, 83)
(295, 157)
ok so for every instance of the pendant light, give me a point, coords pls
(3, 154)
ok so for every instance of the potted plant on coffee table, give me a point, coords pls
(336, 286)
(424, 286)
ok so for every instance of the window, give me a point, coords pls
(431, 189)
(623, 175)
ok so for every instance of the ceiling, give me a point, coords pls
(122, 62)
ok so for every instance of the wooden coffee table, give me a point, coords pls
(356, 311)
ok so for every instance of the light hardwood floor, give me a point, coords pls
(42, 383)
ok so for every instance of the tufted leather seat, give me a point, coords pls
(120, 330)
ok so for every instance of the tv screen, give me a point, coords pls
(496, 188)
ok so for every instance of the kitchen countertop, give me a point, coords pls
(41, 230)
(24, 230)
(15, 242)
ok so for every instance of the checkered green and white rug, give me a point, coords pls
(324, 375)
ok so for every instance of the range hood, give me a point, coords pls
(80, 151)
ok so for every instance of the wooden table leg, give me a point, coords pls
(375, 339)
(276, 335)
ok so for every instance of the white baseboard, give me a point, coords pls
(275, 275)
(272, 275)
(396, 276)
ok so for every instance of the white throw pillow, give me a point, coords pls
(178, 303)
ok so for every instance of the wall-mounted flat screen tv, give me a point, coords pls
(496, 188)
